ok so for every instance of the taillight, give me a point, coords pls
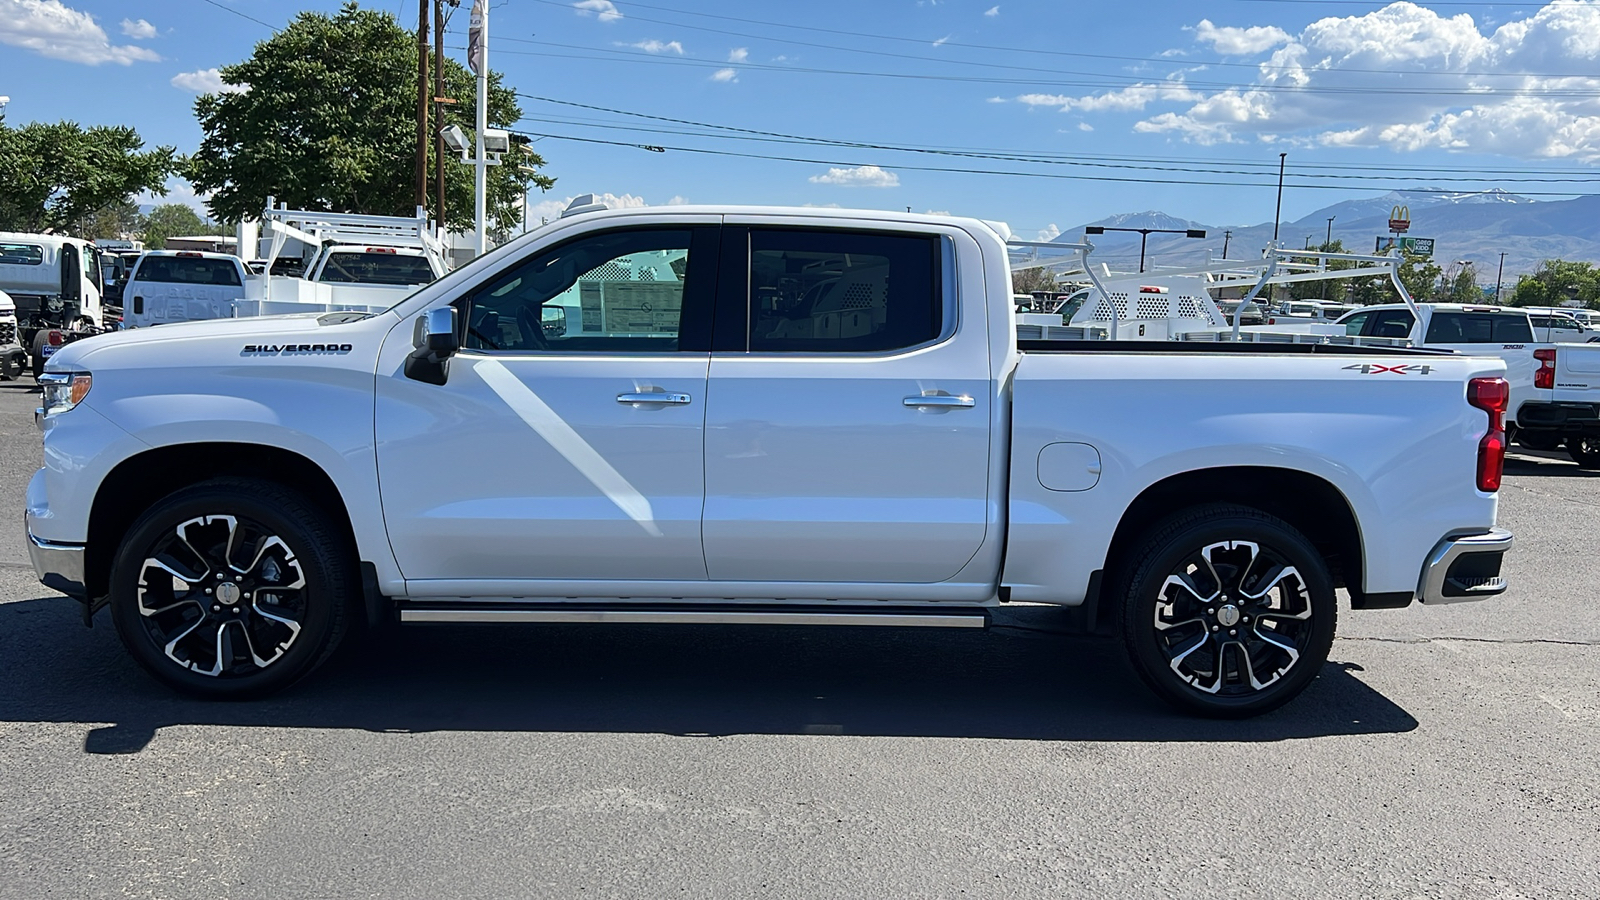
(1546, 376)
(55, 339)
(1493, 396)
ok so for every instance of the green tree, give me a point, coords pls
(111, 221)
(325, 119)
(1460, 285)
(1556, 282)
(1420, 276)
(174, 220)
(1036, 279)
(57, 176)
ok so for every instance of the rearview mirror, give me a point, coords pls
(554, 321)
(435, 340)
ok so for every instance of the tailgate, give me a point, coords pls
(1577, 373)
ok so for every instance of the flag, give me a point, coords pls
(475, 38)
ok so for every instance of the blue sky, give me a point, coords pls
(1381, 96)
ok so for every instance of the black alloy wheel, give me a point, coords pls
(1585, 451)
(1229, 612)
(232, 588)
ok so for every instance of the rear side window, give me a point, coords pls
(1354, 324)
(1478, 328)
(21, 255)
(1391, 323)
(376, 268)
(187, 270)
(840, 291)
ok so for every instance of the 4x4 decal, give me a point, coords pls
(1376, 369)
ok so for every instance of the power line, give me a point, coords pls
(1153, 87)
(225, 8)
(1021, 155)
(970, 171)
(1007, 49)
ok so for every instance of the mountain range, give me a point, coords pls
(1466, 226)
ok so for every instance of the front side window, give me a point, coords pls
(21, 254)
(1354, 324)
(839, 291)
(616, 292)
(187, 270)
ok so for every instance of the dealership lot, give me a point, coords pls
(1444, 752)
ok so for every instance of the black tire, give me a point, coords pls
(1207, 644)
(36, 356)
(1585, 451)
(1540, 440)
(181, 625)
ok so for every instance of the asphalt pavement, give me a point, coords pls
(1443, 753)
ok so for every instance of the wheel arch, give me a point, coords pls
(139, 481)
(1313, 505)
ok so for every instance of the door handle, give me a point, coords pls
(940, 401)
(656, 397)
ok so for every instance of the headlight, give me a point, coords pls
(64, 390)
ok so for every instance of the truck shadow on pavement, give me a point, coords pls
(1545, 463)
(1022, 680)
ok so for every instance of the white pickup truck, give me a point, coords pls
(775, 415)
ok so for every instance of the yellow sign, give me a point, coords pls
(1400, 219)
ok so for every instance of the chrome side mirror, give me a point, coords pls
(435, 340)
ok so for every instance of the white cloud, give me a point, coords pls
(1240, 41)
(992, 11)
(936, 212)
(1085, 126)
(725, 75)
(738, 54)
(53, 29)
(138, 29)
(822, 205)
(178, 191)
(995, 100)
(205, 81)
(605, 9)
(860, 176)
(655, 46)
(941, 41)
(1049, 232)
(1525, 89)
(678, 200)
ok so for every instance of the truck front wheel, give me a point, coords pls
(1227, 611)
(232, 588)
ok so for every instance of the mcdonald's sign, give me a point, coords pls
(1400, 219)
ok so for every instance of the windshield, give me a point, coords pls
(376, 268)
(188, 270)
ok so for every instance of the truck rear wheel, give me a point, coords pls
(232, 588)
(1585, 451)
(1227, 611)
(36, 354)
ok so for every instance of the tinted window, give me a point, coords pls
(833, 291)
(1478, 328)
(187, 270)
(21, 255)
(1354, 324)
(376, 268)
(616, 292)
(1392, 323)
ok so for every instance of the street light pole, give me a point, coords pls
(1282, 157)
(1498, 276)
(1327, 247)
(480, 11)
(1226, 237)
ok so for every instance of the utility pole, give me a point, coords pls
(1498, 276)
(1282, 157)
(422, 103)
(1226, 237)
(1327, 247)
(438, 114)
(480, 181)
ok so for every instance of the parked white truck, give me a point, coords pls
(56, 284)
(793, 416)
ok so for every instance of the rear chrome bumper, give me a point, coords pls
(1465, 568)
(59, 566)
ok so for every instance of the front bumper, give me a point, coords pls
(59, 566)
(1462, 569)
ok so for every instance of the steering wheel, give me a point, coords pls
(532, 328)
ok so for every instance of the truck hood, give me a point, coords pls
(299, 328)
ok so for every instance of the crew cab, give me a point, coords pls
(765, 415)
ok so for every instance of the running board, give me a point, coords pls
(743, 615)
